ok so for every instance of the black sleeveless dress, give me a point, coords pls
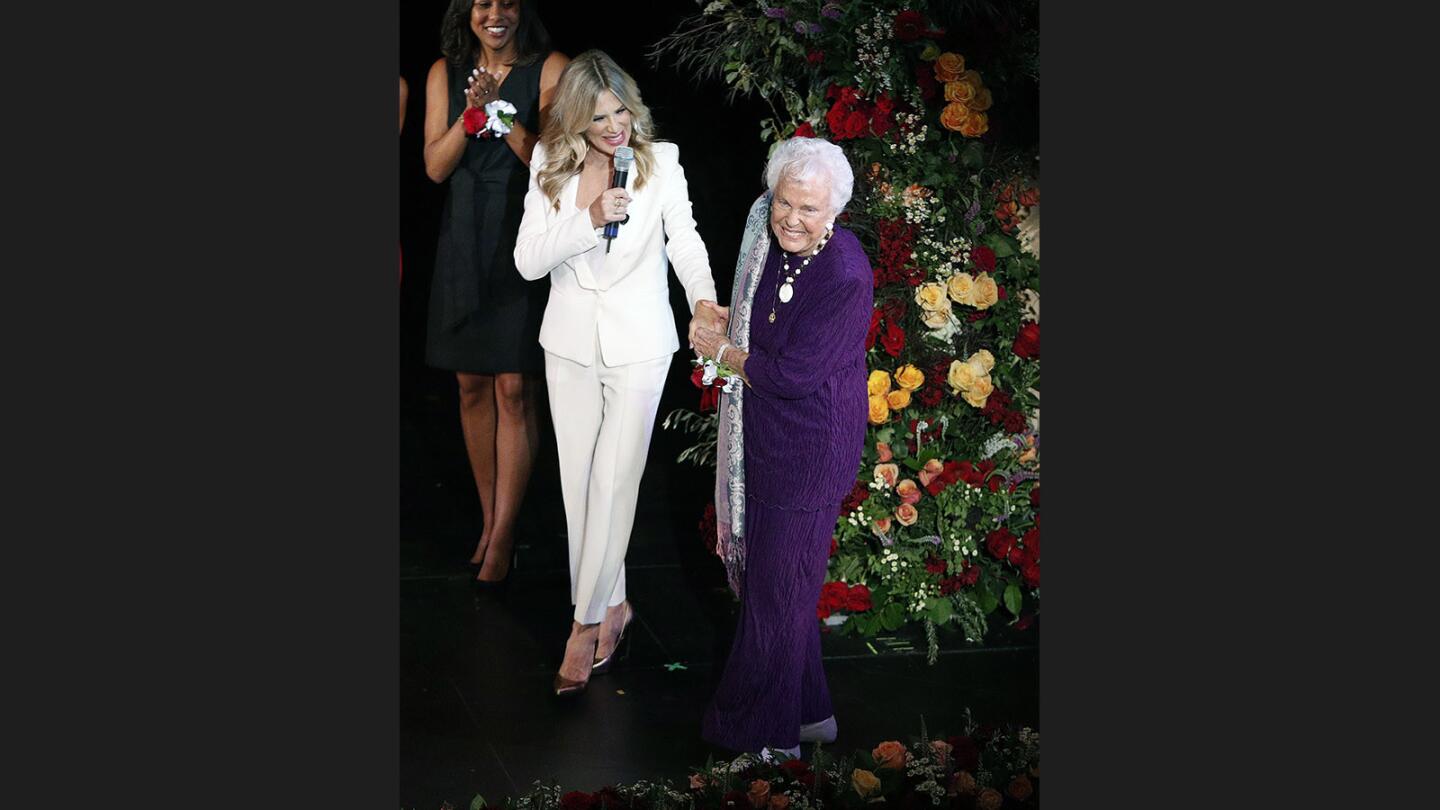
(484, 318)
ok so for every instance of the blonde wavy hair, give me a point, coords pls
(581, 83)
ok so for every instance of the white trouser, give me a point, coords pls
(603, 420)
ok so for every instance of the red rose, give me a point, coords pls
(893, 340)
(881, 124)
(925, 78)
(985, 467)
(856, 123)
(1031, 539)
(858, 599)
(697, 376)
(984, 259)
(1035, 496)
(834, 546)
(857, 496)
(1014, 422)
(994, 483)
(970, 575)
(805, 130)
(965, 752)
(611, 799)
(874, 331)
(1030, 197)
(474, 120)
(884, 104)
(1024, 622)
(709, 398)
(935, 566)
(1027, 341)
(1016, 556)
(577, 800)
(909, 26)
(815, 57)
(832, 598)
(999, 543)
(969, 474)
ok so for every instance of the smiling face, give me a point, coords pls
(610, 126)
(800, 212)
(494, 22)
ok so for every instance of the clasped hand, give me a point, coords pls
(712, 318)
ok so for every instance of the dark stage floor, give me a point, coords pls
(476, 713)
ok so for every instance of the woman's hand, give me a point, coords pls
(483, 89)
(609, 206)
(709, 315)
(708, 342)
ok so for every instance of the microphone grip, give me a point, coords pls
(612, 229)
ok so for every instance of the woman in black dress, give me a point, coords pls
(484, 319)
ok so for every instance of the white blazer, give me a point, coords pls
(628, 301)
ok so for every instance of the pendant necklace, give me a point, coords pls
(786, 291)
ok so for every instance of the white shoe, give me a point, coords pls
(822, 732)
(768, 754)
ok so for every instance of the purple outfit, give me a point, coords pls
(804, 421)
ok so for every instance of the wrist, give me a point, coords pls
(720, 352)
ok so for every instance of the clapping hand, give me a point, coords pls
(483, 88)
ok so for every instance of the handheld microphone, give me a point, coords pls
(624, 159)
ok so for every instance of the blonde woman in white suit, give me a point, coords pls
(608, 331)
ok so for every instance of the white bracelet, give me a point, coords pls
(720, 352)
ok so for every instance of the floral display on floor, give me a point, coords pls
(934, 103)
(984, 767)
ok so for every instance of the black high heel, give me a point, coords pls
(492, 585)
(622, 646)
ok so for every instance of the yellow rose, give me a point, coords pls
(976, 366)
(985, 292)
(879, 383)
(1020, 788)
(879, 410)
(954, 116)
(974, 125)
(949, 67)
(906, 514)
(898, 400)
(890, 754)
(931, 296)
(937, 319)
(985, 358)
(961, 376)
(864, 782)
(961, 92)
(964, 784)
(972, 78)
(909, 377)
(962, 289)
(981, 100)
(979, 392)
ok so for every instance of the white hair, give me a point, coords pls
(804, 158)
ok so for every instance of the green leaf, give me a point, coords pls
(1012, 598)
(1002, 245)
(892, 617)
(987, 602)
(913, 463)
(973, 156)
(940, 611)
(478, 802)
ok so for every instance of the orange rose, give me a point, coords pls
(890, 754)
(889, 473)
(989, 799)
(759, 794)
(974, 125)
(779, 801)
(881, 525)
(898, 400)
(908, 492)
(879, 410)
(942, 750)
(909, 377)
(697, 781)
(1020, 788)
(954, 116)
(964, 784)
(932, 468)
(906, 514)
(962, 92)
(949, 67)
(972, 78)
(981, 101)
(882, 451)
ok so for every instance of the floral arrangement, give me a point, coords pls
(495, 120)
(929, 101)
(984, 767)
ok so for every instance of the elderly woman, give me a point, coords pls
(790, 442)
